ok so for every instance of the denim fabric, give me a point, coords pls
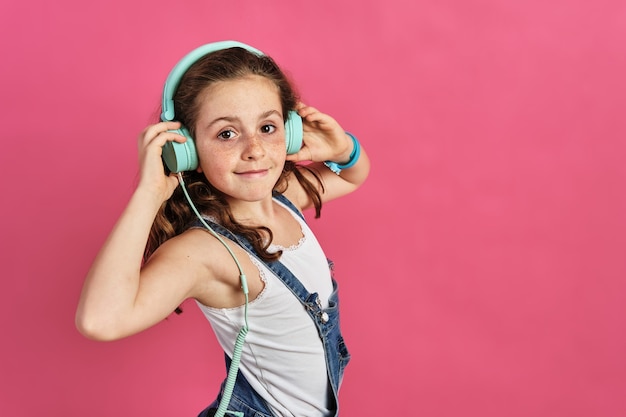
(244, 398)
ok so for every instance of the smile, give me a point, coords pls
(256, 173)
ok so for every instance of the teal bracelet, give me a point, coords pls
(354, 157)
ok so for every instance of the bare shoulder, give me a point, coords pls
(194, 252)
(190, 247)
(203, 260)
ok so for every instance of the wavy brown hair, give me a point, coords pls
(175, 216)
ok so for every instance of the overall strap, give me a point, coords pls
(326, 323)
(280, 270)
(310, 300)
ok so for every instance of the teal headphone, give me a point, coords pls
(183, 156)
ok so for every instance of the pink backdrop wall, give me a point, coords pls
(481, 267)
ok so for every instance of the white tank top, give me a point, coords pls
(283, 356)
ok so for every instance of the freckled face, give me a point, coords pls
(240, 137)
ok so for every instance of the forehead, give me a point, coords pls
(249, 87)
(246, 98)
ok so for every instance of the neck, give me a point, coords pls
(254, 213)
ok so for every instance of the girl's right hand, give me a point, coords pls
(150, 148)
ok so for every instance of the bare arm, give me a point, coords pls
(113, 302)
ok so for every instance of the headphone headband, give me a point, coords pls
(175, 75)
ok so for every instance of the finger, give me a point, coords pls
(154, 130)
(317, 122)
(313, 115)
(160, 133)
(300, 105)
(303, 154)
(305, 111)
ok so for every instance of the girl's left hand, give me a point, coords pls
(324, 139)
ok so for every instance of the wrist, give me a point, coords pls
(346, 156)
(352, 160)
(152, 193)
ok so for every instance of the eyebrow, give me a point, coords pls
(231, 119)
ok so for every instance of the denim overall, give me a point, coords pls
(244, 399)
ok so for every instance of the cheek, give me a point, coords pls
(278, 145)
(209, 162)
(210, 165)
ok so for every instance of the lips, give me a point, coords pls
(253, 173)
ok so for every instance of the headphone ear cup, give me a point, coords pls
(293, 132)
(180, 157)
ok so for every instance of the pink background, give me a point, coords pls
(481, 267)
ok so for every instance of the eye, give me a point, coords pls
(226, 135)
(268, 128)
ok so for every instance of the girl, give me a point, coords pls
(248, 257)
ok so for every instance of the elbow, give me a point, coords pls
(94, 329)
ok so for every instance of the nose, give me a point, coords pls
(254, 148)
